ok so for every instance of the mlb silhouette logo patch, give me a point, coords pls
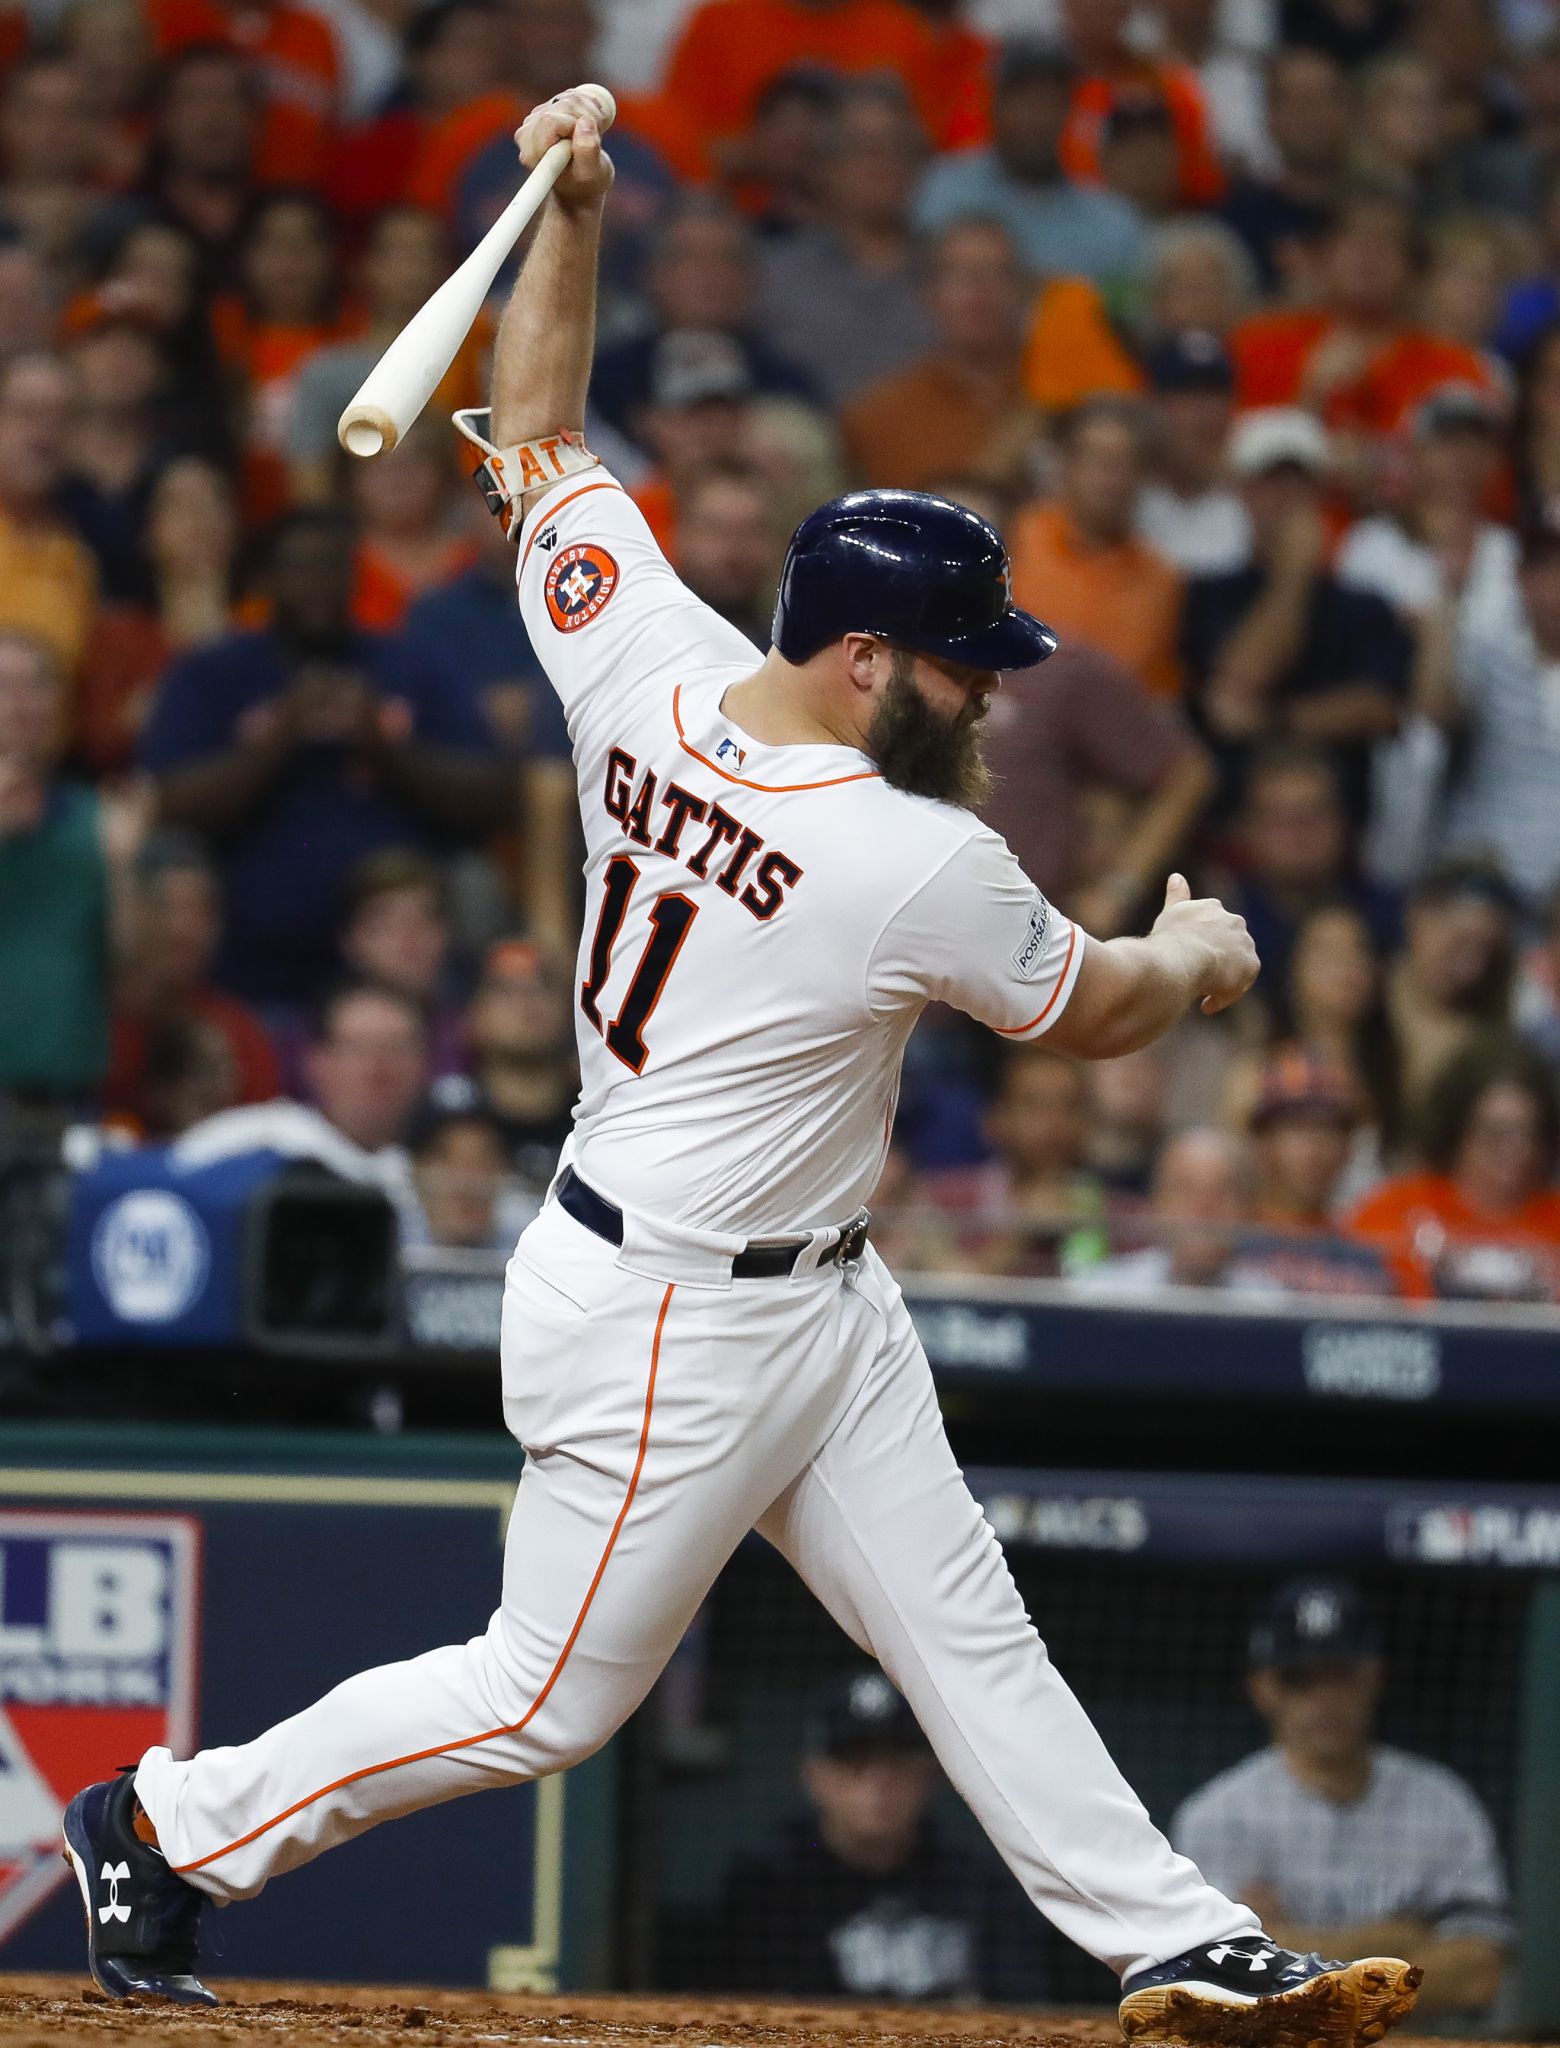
(98, 1620)
(580, 583)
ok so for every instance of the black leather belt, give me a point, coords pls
(758, 1262)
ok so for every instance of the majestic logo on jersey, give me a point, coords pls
(98, 1620)
(547, 539)
(580, 583)
(1027, 958)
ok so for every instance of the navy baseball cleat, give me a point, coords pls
(1252, 1994)
(141, 1919)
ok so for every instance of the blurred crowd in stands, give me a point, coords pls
(1241, 318)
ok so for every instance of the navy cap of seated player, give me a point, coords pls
(868, 1773)
(863, 1716)
(1316, 1675)
(1313, 1624)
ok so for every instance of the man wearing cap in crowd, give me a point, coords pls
(1304, 1120)
(1279, 647)
(1189, 512)
(1339, 1841)
(700, 388)
(862, 1895)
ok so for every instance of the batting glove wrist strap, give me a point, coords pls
(505, 474)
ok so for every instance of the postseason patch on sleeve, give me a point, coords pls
(1032, 951)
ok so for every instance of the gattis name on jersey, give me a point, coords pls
(580, 583)
(755, 876)
(97, 1664)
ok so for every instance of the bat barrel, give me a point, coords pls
(403, 380)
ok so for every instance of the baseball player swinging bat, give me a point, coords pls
(784, 866)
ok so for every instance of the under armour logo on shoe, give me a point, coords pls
(112, 1875)
(1259, 1961)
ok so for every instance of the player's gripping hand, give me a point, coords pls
(1229, 959)
(580, 116)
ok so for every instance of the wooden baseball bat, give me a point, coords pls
(403, 380)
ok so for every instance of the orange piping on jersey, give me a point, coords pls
(765, 788)
(1018, 1030)
(514, 1728)
(554, 510)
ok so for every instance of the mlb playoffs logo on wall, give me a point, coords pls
(98, 1618)
(580, 581)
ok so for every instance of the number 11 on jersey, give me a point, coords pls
(671, 919)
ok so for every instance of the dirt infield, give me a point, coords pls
(47, 2012)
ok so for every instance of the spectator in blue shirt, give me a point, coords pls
(299, 749)
(1060, 228)
(470, 636)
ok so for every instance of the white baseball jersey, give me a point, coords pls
(763, 924)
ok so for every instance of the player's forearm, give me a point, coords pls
(217, 793)
(1352, 711)
(454, 786)
(1130, 992)
(541, 360)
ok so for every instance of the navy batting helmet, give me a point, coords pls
(917, 571)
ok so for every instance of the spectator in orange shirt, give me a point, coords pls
(288, 270)
(406, 259)
(1079, 559)
(50, 152)
(730, 50)
(1354, 358)
(1484, 1219)
(452, 52)
(960, 410)
(1111, 68)
(291, 55)
(48, 580)
(408, 536)
(203, 142)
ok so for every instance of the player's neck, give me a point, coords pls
(782, 705)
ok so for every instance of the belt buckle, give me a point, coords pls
(853, 1240)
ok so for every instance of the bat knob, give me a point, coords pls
(606, 105)
(365, 431)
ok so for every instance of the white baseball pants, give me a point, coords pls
(663, 1419)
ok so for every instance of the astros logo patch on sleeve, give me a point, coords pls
(580, 581)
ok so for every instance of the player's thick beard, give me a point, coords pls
(922, 752)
